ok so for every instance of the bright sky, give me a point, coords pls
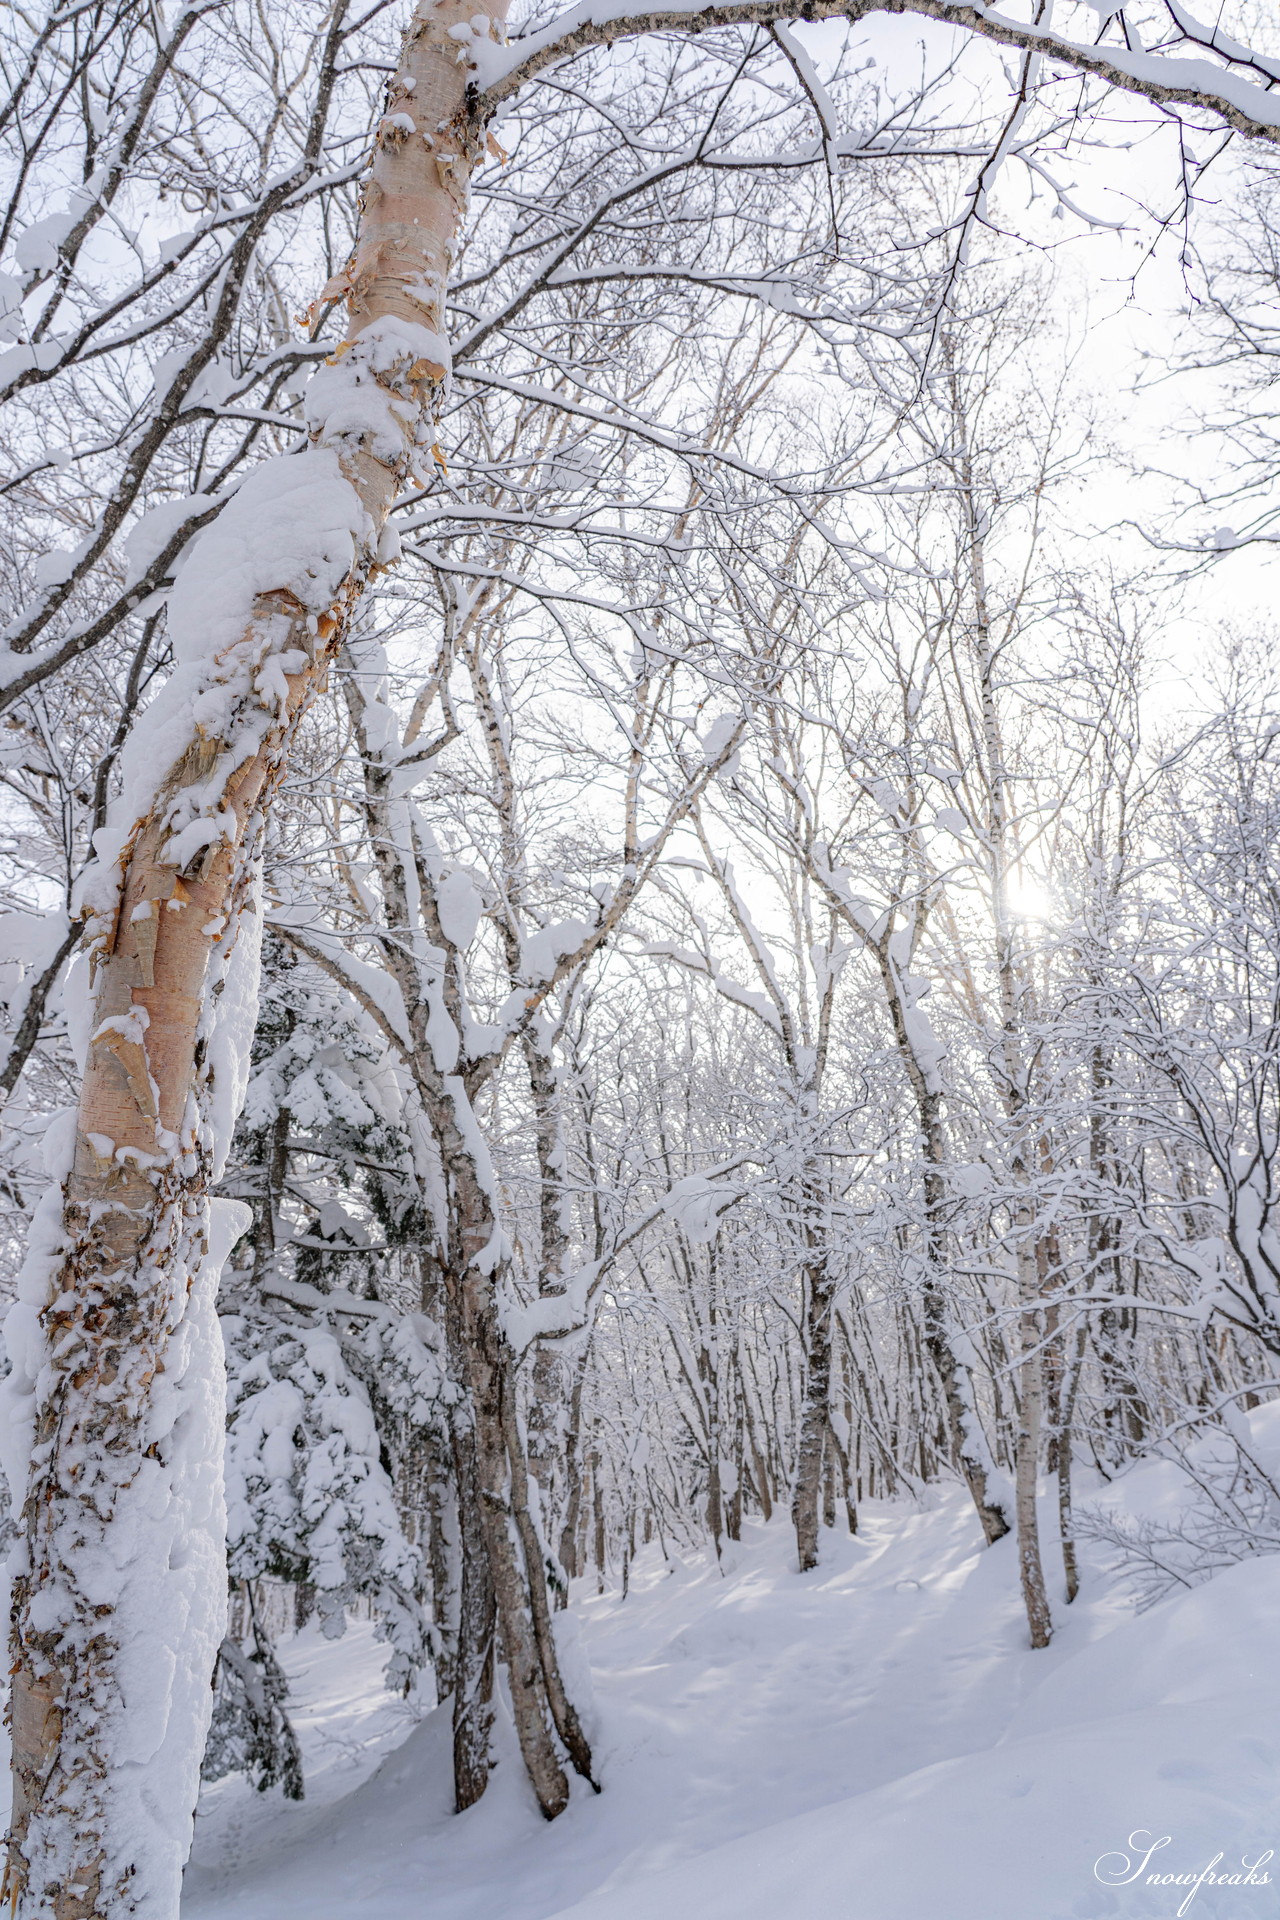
(1124, 296)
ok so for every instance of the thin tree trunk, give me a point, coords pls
(733, 1518)
(443, 1501)
(35, 999)
(759, 1473)
(815, 1415)
(964, 1433)
(444, 1561)
(841, 1454)
(1031, 1570)
(473, 1665)
(715, 1500)
(547, 1387)
(490, 1378)
(570, 1557)
(968, 1446)
(1066, 1421)
(563, 1711)
(597, 1497)
(539, 1703)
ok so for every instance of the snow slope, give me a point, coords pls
(872, 1740)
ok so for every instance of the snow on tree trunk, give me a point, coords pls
(497, 1520)
(112, 1428)
(1027, 1461)
(496, 1516)
(969, 1450)
(815, 1415)
(477, 1626)
(490, 1378)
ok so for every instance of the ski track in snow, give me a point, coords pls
(872, 1740)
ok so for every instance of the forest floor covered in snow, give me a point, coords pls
(871, 1740)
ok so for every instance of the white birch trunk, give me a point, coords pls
(114, 1628)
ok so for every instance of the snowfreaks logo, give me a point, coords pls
(1125, 1869)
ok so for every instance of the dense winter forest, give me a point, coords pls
(641, 773)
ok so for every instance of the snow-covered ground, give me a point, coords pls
(872, 1741)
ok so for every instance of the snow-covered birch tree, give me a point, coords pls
(114, 1419)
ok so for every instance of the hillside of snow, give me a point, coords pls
(872, 1739)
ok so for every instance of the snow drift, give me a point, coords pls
(873, 1739)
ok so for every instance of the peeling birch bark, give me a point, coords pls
(92, 1697)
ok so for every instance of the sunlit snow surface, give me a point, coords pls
(868, 1742)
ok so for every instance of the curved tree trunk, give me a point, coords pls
(108, 1707)
(497, 1522)
(969, 1451)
